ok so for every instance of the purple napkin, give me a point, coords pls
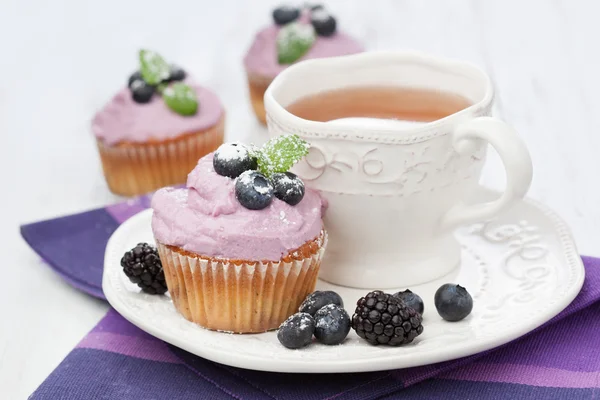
(116, 360)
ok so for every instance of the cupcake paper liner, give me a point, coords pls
(136, 168)
(240, 296)
(257, 85)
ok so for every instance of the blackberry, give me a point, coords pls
(381, 318)
(143, 267)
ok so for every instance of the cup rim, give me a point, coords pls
(426, 130)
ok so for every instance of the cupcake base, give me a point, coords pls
(257, 85)
(241, 296)
(136, 168)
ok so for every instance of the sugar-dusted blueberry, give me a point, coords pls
(176, 74)
(319, 299)
(285, 14)
(332, 324)
(141, 92)
(412, 300)
(453, 302)
(296, 331)
(231, 159)
(323, 22)
(288, 187)
(253, 190)
(136, 76)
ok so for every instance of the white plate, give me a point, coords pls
(522, 269)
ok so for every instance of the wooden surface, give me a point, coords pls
(61, 61)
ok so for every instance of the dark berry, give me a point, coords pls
(231, 159)
(453, 302)
(141, 92)
(323, 22)
(136, 76)
(332, 324)
(296, 331)
(288, 187)
(412, 300)
(176, 74)
(285, 14)
(143, 267)
(319, 299)
(315, 7)
(381, 318)
(253, 190)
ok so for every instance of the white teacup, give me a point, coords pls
(395, 191)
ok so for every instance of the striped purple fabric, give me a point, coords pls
(116, 360)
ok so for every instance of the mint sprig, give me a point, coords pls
(280, 153)
(153, 67)
(293, 41)
(181, 98)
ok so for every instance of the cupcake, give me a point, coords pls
(152, 132)
(242, 243)
(296, 35)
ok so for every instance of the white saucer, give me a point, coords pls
(522, 269)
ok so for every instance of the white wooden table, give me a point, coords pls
(60, 60)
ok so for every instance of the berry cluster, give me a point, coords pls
(142, 92)
(254, 189)
(321, 314)
(321, 20)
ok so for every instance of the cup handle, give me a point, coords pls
(517, 163)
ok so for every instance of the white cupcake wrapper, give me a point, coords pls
(237, 296)
(137, 168)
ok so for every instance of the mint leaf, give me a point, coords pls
(293, 41)
(281, 153)
(153, 67)
(181, 98)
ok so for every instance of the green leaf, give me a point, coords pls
(181, 98)
(153, 67)
(293, 41)
(281, 153)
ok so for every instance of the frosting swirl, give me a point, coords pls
(206, 218)
(124, 120)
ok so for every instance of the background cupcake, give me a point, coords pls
(241, 245)
(151, 133)
(296, 34)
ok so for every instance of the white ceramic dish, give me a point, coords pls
(522, 269)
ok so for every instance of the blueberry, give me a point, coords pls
(231, 159)
(136, 76)
(412, 300)
(253, 190)
(296, 331)
(285, 14)
(141, 92)
(317, 300)
(453, 302)
(332, 324)
(176, 74)
(323, 22)
(288, 187)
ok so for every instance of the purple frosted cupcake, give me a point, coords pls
(296, 34)
(152, 132)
